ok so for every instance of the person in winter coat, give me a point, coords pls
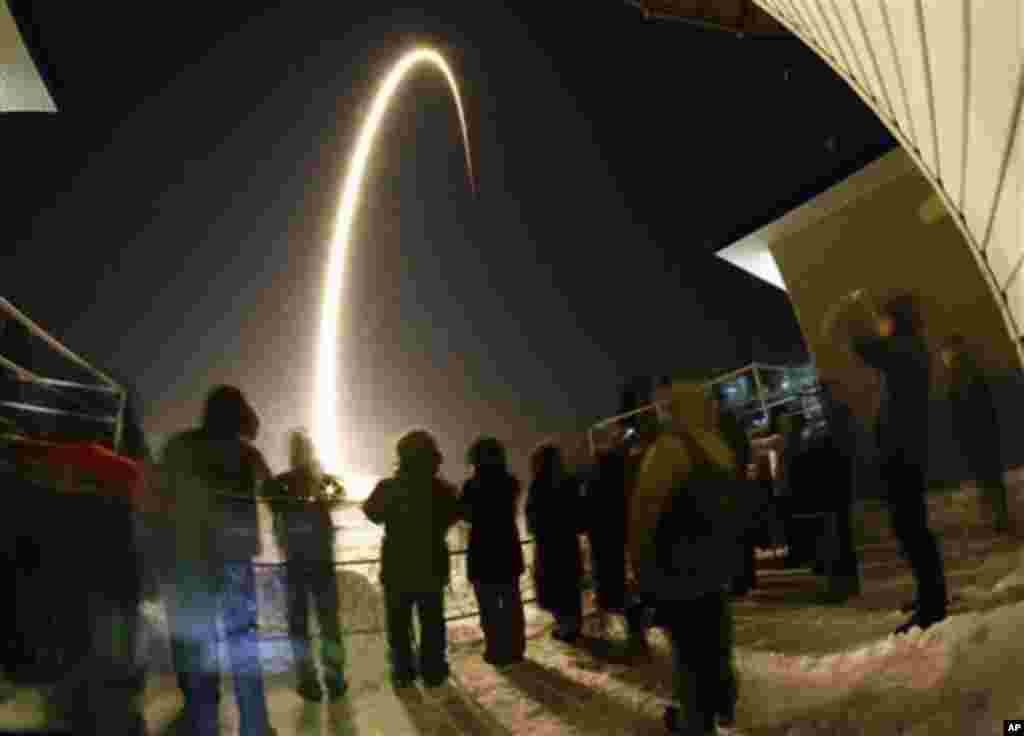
(607, 496)
(687, 519)
(976, 426)
(840, 452)
(212, 476)
(301, 501)
(416, 508)
(490, 501)
(894, 347)
(793, 488)
(730, 429)
(553, 515)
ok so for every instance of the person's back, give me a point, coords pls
(973, 404)
(894, 347)
(685, 544)
(904, 365)
(416, 509)
(301, 500)
(213, 474)
(302, 515)
(976, 426)
(416, 512)
(213, 484)
(491, 500)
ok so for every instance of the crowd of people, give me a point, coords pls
(672, 516)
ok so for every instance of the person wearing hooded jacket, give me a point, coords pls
(490, 500)
(416, 509)
(688, 517)
(889, 340)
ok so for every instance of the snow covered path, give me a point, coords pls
(805, 668)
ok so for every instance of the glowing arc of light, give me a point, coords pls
(325, 401)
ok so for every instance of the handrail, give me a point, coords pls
(23, 374)
(372, 561)
(55, 344)
(59, 412)
(376, 560)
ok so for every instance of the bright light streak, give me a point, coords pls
(325, 403)
(358, 487)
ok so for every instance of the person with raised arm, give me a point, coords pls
(889, 340)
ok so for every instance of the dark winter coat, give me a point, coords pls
(213, 484)
(606, 506)
(302, 517)
(841, 449)
(695, 547)
(490, 501)
(731, 430)
(975, 420)
(554, 516)
(903, 363)
(416, 511)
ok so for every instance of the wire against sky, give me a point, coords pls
(325, 400)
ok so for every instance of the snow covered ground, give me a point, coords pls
(805, 668)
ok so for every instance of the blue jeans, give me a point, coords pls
(198, 601)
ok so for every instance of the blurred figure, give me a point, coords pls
(416, 508)
(213, 474)
(976, 427)
(727, 425)
(607, 496)
(301, 501)
(490, 500)
(840, 464)
(791, 488)
(689, 513)
(553, 515)
(894, 347)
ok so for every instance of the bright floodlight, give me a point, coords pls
(325, 406)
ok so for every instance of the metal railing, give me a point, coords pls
(461, 615)
(106, 384)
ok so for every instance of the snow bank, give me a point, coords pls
(960, 677)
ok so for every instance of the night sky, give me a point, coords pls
(171, 222)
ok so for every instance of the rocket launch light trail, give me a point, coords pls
(325, 403)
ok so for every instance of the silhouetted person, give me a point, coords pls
(553, 514)
(976, 427)
(839, 476)
(490, 500)
(213, 474)
(730, 429)
(301, 500)
(685, 545)
(792, 488)
(607, 495)
(416, 508)
(894, 347)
